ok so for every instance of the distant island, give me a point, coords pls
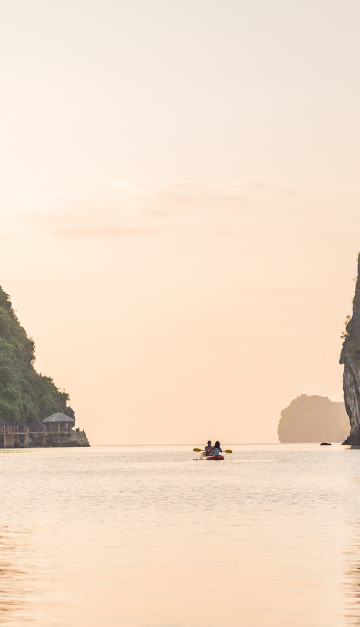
(313, 419)
(33, 411)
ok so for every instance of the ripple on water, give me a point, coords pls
(146, 536)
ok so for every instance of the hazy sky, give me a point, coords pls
(179, 206)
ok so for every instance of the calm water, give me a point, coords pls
(149, 536)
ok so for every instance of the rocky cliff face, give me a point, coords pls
(350, 357)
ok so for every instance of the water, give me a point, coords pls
(148, 536)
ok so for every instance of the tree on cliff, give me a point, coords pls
(313, 419)
(26, 397)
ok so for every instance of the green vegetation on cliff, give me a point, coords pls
(351, 335)
(26, 397)
(313, 419)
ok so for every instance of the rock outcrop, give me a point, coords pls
(313, 419)
(350, 357)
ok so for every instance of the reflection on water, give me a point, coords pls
(148, 536)
(352, 585)
(352, 557)
(16, 585)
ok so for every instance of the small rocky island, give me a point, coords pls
(33, 411)
(350, 357)
(313, 419)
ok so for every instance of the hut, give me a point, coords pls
(58, 426)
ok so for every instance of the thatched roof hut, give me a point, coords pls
(58, 422)
(59, 417)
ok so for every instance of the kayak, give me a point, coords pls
(210, 457)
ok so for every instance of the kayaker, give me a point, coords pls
(217, 448)
(209, 449)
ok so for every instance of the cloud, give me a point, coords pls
(103, 231)
(120, 209)
(90, 223)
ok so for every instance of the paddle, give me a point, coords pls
(198, 450)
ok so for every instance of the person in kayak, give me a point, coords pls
(217, 449)
(209, 449)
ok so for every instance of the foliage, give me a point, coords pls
(26, 397)
(351, 334)
(347, 330)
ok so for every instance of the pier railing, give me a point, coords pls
(14, 436)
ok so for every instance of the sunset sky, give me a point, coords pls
(179, 206)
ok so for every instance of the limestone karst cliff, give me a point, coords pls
(313, 419)
(350, 357)
(26, 397)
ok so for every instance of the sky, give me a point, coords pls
(179, 206)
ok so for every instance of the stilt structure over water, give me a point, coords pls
(57, 431)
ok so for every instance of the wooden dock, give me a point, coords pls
(22, 437)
